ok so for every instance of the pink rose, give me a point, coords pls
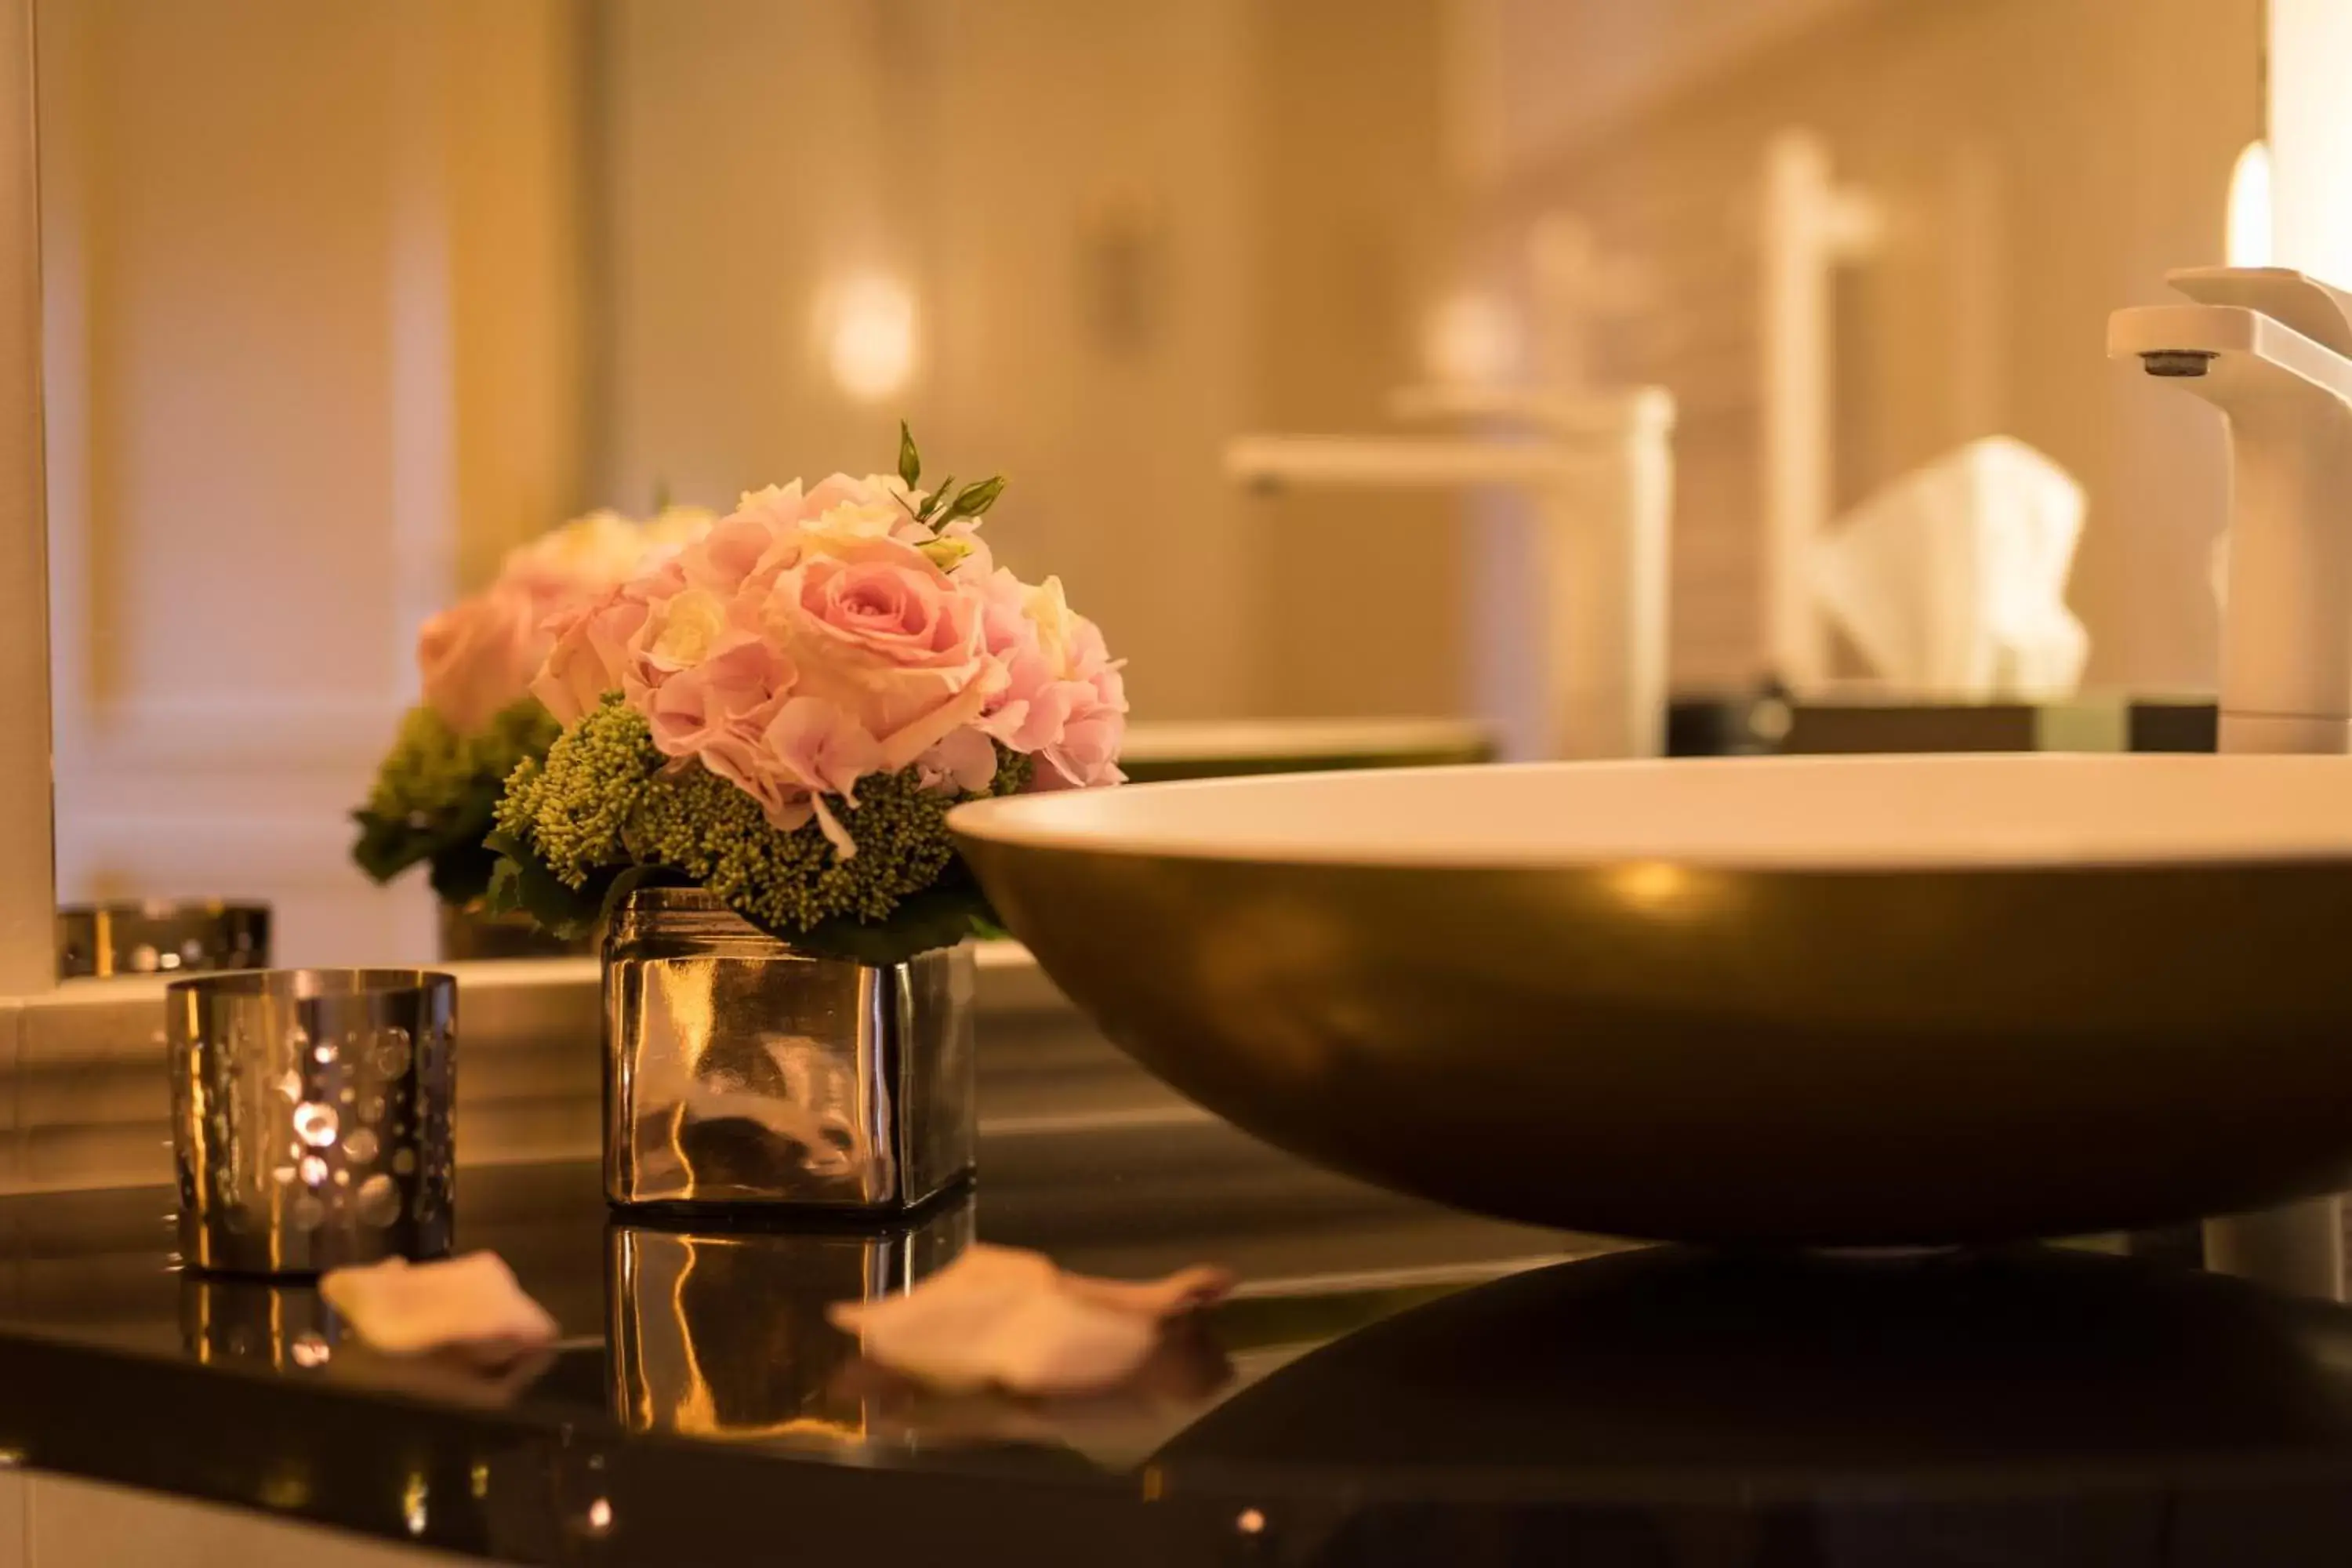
(486, 653)
(477, 656)
(589, 653)
(731, 552)
(885, 636)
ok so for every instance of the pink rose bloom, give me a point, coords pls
(885, 636)
(588, 651)
(728, 554)
(488, 652)
(815, 638)
(477, 656)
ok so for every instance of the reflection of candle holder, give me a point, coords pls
(254, 1323)
(156, 938)
(723, 1333)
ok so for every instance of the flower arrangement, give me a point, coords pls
(783, 711)
(434, 791)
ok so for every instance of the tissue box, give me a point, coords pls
(1765, 724)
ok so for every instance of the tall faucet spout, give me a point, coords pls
(2271, 349)
(2286, 399)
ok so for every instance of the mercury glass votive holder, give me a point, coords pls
(313, 1117)
(743, 1076)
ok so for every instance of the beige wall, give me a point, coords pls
(2042, 161)
(343, 299)
(311, 290)
(1360, 595)
(1133, 230)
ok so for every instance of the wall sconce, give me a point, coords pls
(868, 331)
(1471, 338)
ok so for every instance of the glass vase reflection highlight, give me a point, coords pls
(724, 1335)
(742, 1073)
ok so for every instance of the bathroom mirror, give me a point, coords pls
(343, 302)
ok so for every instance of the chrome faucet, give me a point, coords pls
(2271, 349)
(1599, 467)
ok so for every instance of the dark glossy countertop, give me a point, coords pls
(1396, 1384)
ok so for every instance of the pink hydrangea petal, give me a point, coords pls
(965, 760)
(834, 833)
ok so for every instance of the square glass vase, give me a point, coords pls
(743, 1076)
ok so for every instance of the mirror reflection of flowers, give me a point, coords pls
(783, 713)
(435, 792)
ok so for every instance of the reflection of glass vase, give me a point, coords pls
(468, 932)
(739, 1074)
(723, 1333)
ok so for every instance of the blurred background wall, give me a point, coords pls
(2038, 164)
(345, 300)
(315, 296)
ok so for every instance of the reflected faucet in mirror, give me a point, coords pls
(1599, 472)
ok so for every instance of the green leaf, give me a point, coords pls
(975, 500)
(939, 498)
(504, 894)
(461, 873)
(661, 494)
(522, 881)
(910, 462)
(388, 845)
(629, 879)
(936, 918)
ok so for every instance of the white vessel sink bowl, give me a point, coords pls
(1835, 1001)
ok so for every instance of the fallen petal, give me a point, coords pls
(1004, 1317)
(471, 1303)
(1058, 1343)
(1186, 1290)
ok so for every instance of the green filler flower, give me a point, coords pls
(437, 792)
(606, 812)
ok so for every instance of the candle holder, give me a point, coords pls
(313, 1117)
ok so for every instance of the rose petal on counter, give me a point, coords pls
(470, 1304)
(1186, 1290)
(1008, 1318)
